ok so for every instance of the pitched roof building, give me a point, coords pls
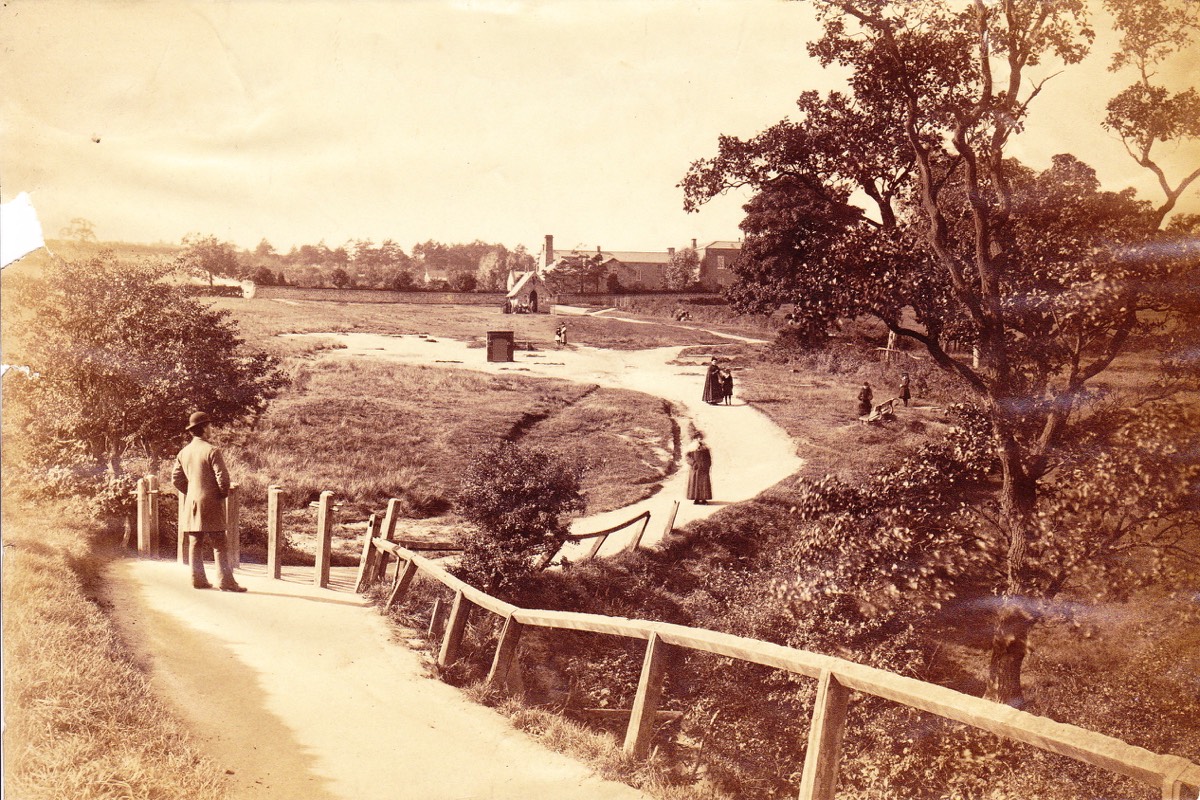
(648, 269)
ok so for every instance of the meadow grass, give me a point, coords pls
(81, 720)
(262, 320)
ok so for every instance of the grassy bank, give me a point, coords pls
(82, 722)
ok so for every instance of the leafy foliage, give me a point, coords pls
(1043, 275)
(517, 497)
(118, 360)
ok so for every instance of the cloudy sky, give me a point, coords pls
(499, 120)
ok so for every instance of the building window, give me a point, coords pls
(720, 262)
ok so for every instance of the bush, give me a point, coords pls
(517, 497)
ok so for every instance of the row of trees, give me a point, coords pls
(361, 263)
(1050, 279)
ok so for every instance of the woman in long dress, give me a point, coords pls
(699, 459)
(712, 383)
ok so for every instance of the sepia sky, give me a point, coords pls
(498, 120)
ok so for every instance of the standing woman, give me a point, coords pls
(864, 399)
(712, 383)
(699, 459)
(905, 388)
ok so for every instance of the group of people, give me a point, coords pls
(718, 384)
(866, 397)
(560, 335)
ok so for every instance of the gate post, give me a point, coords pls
(820, 776)
(181, 547)
(233, 539)
(143, 516)
(155, 504)
(274, 532)
(324, 539)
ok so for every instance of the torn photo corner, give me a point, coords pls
(20, 231)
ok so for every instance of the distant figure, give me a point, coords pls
(712, 383)
(905, 391)
(864, 400)
(727, 386)
(562, 335)
(683, 316)
(699, 459)
(200, 474)
(558, 336)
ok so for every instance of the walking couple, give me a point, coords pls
(718, 384)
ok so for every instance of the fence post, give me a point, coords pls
(152, 490)
(600, 540)
(671, 519)
(404, 577)
(233, 537)
(324, 539)
(649, 694)
(637, 541)
(181, 543)
(506, 654)
(388, 531)
(274, 532)
(454, 630)
(143, 512)
(365, 561)
(820, 776)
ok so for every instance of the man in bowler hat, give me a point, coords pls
(200, 475)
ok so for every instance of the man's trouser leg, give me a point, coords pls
(196, 556)
(221, 556)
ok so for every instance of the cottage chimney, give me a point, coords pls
(671, 252)
(693, 244)
(548, 258)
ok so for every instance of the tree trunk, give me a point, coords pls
(1009, 645)
(1017, 613)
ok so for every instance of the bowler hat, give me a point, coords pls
(196, 420)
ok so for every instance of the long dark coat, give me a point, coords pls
(712, 385)
(864, 401)
(699, 484)
(200, 473)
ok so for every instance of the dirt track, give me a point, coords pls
(299, 693)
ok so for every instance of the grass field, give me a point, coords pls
(370, 430)
(81, 719)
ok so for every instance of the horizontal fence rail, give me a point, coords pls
(1178, 778)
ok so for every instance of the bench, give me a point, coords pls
(885, 410)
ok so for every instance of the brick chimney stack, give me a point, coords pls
(693, 244)
(548, 257)
(671, 252)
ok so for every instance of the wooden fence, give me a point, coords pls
(1178, 778)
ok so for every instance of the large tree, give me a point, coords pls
(1043, 275)
(118, 358)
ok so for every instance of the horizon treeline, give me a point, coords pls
(364, 264)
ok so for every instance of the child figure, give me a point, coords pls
(727, 386)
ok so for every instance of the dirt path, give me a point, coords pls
(299, 692)
(750, 452)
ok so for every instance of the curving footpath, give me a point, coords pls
(299, 692)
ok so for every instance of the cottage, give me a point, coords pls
(527, 293)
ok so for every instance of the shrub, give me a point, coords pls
(517, 497)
